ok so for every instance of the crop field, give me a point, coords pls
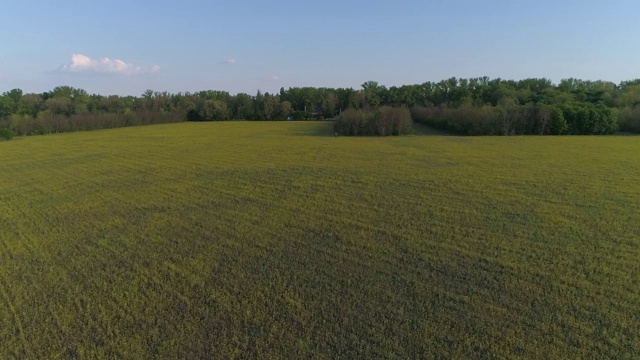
(277, 240)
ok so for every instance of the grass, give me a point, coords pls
(277, 240)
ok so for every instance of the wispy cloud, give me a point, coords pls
(83, 64)
(275, 78)
(229, 61)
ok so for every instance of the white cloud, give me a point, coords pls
(84, 64)
(229, 61)
(275, 78)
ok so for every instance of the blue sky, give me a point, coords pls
(125, 47)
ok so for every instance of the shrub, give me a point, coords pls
(352, 122)
(589, 119)
(384, 121)
(558, 124)
(529, 119)
(6, 133)
(388, 120)
(629, 119)
(466, 120)
(47, 123)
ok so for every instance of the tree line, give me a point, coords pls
(475, 106)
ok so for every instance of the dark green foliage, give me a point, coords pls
(474, 106)
(384, 121)
(530, 119)
(466, 120)
(629, 119)
(207, 110)
(47, 123)
(6, 134)
(7, 106)
(241, 106)
(558, 124)
(589, 119)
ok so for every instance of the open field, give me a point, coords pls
(276, 240)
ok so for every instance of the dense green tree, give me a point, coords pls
(59, 105)
(285, 109)
(470, 106)
(7, 106)
(372, 94)
(213, 110)
(30, 105)
(61, 92)
(6, 133)
(271, 108)
(242, 106)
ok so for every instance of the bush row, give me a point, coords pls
(47, 123)
(629, 119)
(6, 134)
(568, 119)
(571, 119)
(383, 121)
